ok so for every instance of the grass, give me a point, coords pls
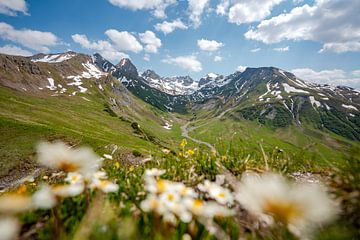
(118, 215)
(25, 119)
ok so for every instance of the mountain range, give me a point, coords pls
(268, 95)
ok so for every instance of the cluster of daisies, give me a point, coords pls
(81, 166)
(268, 198)
(174, 201)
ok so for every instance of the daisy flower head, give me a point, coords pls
(9, 228)
(104, 185)
(74, 178)
(59, 155)
(300, 206)
(101, 175)
(220, 194)
(44, 198)
(154, 172)
(71, 190)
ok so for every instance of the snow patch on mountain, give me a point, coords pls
(51, 85)
(290, 89)
(351, 107)
(314, 102)
(54, 58)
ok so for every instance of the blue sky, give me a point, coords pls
(218, 36)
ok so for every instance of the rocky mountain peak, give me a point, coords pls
(127, 69)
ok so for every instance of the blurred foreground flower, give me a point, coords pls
(174, 200)
(301, 207)
(216, 192)
(15, 203)
(60, 156)
(44, 198)
(9, 228)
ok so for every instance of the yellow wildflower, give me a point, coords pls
(183, 143)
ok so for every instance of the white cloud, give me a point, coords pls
(157, 6)
(11, 7)
(196, 9)
(341, 47)
(152, 43)
(124, 41)
(356, 73)
(241, 68)
(222, 7)
(255, 50)
(246, 11)
(334, 23)
(218, 58)
(105, 48)
(13, 50)
(36, 40)
(333, 77)
(209, 45)
(190, 63)
(169, 27)
(282, 49)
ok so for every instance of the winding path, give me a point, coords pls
(230, 178)
(185, 134)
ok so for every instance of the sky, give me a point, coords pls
(318, 40)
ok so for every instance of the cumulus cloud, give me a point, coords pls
(14, 50)
(124, 41)
(246, 11)
(218, 58)
(105, 48)
(152, 43)
(168, 27)
(157, 6)
(196, 9)
(209, 45)
(333, 77)
(334, 23)
(36, 40)
(190, 63)
(356, 73)
(11, 7)
(282, 49)
(241, 68)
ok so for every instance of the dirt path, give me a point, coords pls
(230, 178)
(185, 134)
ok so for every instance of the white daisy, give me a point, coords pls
(216, 192)
(154, 172)
(74, 178)
(104, 185)
(58, 155)
(300, 206)
(9, 228)
(71, 190)
(44, 198)
(100, 175)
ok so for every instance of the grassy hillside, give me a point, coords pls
(83, 119)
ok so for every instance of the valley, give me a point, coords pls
(257, 120)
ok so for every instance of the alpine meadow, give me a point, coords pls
(169, 119)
